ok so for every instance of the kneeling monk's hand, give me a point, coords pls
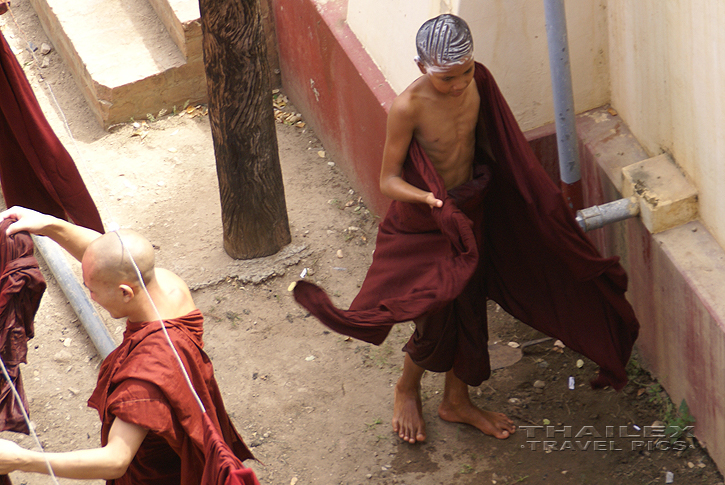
(10, 456)
(27, 220)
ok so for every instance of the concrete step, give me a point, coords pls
(129, 57)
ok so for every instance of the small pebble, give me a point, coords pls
(539, 384)
(339, 253)
(580, 363)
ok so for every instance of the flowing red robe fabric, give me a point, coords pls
(141, 383)
(36, 171)
(520, 247)
(21, 288)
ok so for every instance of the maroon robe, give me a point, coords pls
(515, 242)
(141, 383)
(36, 171)
(21, 288)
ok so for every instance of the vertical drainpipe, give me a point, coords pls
(565, 119)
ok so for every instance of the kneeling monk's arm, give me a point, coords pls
(74, 239)
(105, 463)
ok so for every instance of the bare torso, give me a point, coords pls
(440, 111)
(446, 130)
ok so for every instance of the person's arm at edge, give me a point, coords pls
(400, 129)
(72, 238)
(105, 463)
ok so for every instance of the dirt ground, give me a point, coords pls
(315, 407)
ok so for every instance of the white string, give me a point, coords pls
(113, 227)
(161, 322)
(27, 421)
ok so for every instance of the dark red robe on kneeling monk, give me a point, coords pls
(141, 383)
(506, 235)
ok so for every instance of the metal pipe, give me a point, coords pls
(564, 116)
(87, 314)
(600, 215)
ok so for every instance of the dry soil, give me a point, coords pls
(314, 406)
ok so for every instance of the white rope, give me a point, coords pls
(161, 322)
(113, 227)
(27, 421)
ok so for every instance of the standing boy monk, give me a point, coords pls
(152, 431)
(440, 111)
(474, 217)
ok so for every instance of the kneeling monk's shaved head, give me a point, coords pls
(444, 41)
(110, 257)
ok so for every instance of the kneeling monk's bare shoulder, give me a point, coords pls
(177, 296)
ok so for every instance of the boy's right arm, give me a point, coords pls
(72, 238)
(400, 130)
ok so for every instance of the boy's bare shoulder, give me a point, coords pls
(407, 103)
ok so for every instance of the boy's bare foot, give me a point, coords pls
(408, 410)
(497, 425)
(408, 414)
(457, 407)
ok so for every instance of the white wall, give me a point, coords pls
(387, 28)
(668, 77)
(510, 39)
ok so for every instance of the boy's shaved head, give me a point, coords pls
(109, 257)
(444, 40)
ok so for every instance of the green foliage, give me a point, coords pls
(675, 419)
(466, 469)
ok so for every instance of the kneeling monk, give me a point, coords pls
(152, 428)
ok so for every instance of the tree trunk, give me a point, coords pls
(254, 214)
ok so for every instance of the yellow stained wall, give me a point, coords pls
(667, 63)
(510, 39)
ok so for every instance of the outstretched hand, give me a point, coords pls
(9, 455)
(27, 220)
(431, 200)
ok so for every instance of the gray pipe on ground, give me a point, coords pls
(87, 314)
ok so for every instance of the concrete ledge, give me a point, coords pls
(677, 279)
(666, 198)
(122, 57)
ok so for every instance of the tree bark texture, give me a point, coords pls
(254, 213)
